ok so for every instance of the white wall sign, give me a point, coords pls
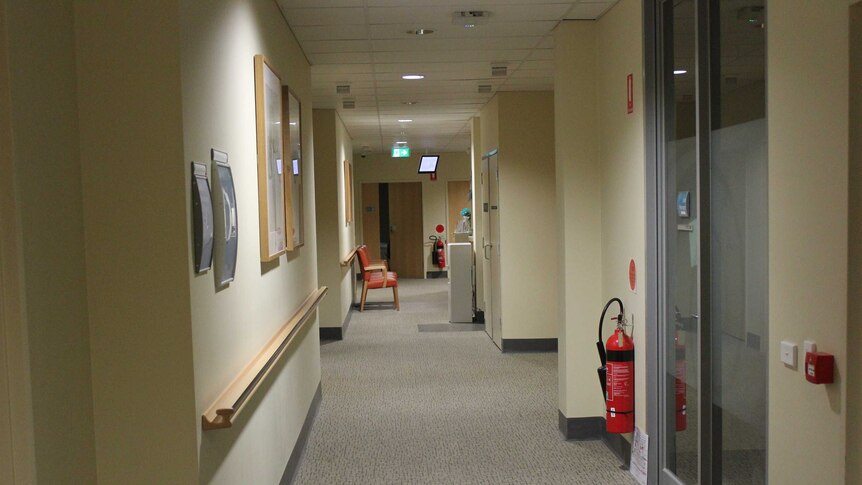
(640, 456)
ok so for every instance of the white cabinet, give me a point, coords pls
(460, 282)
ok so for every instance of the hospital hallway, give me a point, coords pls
(411, 398)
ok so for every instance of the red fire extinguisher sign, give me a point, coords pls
(630, 94)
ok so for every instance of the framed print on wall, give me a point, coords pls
(293, 131)
(348, 193)
(270, 160)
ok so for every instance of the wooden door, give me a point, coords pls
(405, 229)
(458, 199)
(371, 219)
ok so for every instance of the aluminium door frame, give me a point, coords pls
(656, 249)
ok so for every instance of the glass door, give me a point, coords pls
(711, 240)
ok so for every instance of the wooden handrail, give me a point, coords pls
(233, 399)
(350, 257)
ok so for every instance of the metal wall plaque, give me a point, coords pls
(202, 215)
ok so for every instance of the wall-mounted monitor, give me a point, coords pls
(428, 163)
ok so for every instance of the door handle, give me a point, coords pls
(485, 251)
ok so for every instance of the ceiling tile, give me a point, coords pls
(588, 10)
(324, 16)
(366, 44)
(330, 32)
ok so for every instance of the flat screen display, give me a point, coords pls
(428, 163)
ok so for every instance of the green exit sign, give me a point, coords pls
(400, 152)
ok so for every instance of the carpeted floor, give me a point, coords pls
(404, 406)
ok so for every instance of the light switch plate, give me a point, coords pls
(788, 353)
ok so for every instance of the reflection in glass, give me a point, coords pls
(738, 246)
(294, 170)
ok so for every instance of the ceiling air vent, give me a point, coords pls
(348, 104)
(342, 89)
(499, 71)
(484, 88)
(470, 18)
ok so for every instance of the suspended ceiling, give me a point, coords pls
(367, 45)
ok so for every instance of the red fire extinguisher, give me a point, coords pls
(438, 252)
(617, 374)
(681, 420)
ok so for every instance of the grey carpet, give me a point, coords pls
(404, 406)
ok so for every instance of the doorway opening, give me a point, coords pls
(392, 225)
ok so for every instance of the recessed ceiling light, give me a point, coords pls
(469, 26)
(410, 103)
(412, 77)
(293, 123)
(679, 71)
(405, 121)
(421, 31)
(401, 142)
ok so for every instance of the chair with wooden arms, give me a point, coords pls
(376, 274)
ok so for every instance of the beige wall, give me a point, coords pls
(620, 53)
(218, 43)
(17, 453)
(48, 176)
(579, 198)
(478, 217)
(136, 228)
(489, 139)
(527, 215)
(335, 237)
(600, 196)
(521, 126)
(854, 305)
(808, 125)
(379, 167)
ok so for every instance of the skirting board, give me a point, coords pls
(337, 333)
(529, 345)
(301, 442)
(593, 428)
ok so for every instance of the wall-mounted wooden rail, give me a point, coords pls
(229, 405)
(350, 257)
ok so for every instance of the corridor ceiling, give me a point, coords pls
(369, 44)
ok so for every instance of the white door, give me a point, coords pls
(492, 248)
(485, 247)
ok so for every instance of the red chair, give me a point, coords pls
(376, 274)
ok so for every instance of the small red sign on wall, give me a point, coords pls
(630, 89)
(433, 176)
(633, 276)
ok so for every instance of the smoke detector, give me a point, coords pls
(470, 18)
